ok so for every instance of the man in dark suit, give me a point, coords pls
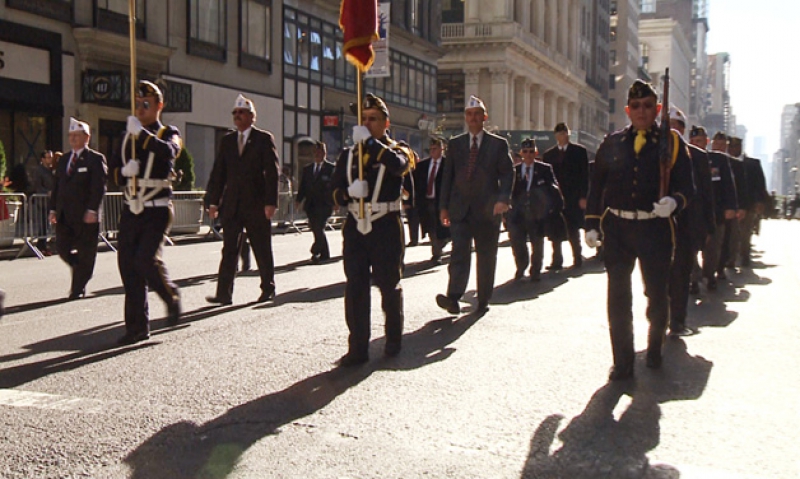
(428, 184)
(535, 204)
(244, 180)
(315, 195)
(476, 191)
(756, 186)
(571, 166)
(76, 205)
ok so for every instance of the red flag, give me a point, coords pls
(358, 20)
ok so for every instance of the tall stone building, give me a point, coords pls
(534, 62)
(719, 115)
(626, 61)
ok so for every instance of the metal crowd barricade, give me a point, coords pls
(189, 211)
(14, 221)
(38, 224)
(113, 205)
(285, 215)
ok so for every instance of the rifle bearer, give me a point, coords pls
(373, 233)
(145, 178)
(637, 222)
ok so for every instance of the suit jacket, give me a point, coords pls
(83, 190)
(722, 185)
(245, 183)
(491, 182)
(756, 183)
(571, 171)
(542, 203)
(421, 194)
(698, 219)
(316, 190)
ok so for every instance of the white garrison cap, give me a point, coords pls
(475, 102)
(676, 114)
(76, 125)
(244, 104)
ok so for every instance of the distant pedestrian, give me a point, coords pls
(42, 183)
(315, 197)
(428, 186)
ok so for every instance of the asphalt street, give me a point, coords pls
(250, 390)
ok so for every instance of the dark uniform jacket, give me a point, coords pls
(84, 190)
(622, 181)
(164, 142)
(316, 189)
(572, 172)
(756, 183)
(491, 182)
(722, 186)
(743, 197)
(542, 203)
(398, 158)
(420, 174)
(699, 217)
(245, 183)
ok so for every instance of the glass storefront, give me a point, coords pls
(24, 137)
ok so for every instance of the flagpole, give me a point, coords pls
(359, 96)
(132, 33)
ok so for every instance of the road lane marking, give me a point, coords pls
(30, 399)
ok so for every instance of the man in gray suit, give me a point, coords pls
(476, 190)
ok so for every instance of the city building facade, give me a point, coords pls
(626, 62)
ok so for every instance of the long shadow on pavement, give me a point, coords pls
(211, 450)
(513, 291)
(596, 444)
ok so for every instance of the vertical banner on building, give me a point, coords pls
(380, 67)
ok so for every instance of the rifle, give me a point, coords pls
(665, 148)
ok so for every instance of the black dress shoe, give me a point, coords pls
(535, 277)
(218, 300)
(412, 243)
(133, 338)
(620, 373)
(314, 259)
(653, 360)
(392, 348)
(577, 264)
(555, 267)
(351, 359)
(483, 306)
(436, 259)
(266, 297)
(679, 331)
(245, 267)
(76, 295)
(519, 275)
(448, 304)
(174, 310)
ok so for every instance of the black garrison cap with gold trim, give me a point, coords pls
(734, 141)
(697, 131)
(720, 135)
(561, 127)
(147, 88)
(640, 89)
(528, 143)
(371, 101)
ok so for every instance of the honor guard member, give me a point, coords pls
(76, 204)
(147, 188)
(757, 192)
(636, 222)
(373, 241)
(729, 249)
(570, 164)
(723, 193)
(692, 229)
(536, 205)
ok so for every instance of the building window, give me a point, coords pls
(256, 35)
(649, 6)
(207, 33)
(612, 105)
(452, 11)
(450, 92)
(56, 9)
(112, 15)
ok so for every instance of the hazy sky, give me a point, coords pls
(763, 38)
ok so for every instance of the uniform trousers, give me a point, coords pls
(77, 246)
(574, 237)
(140, 241)
(681, 272)
(651, 242)
(485, 233)
(430, 224)
(746, 228)
(520, 231)
(374, 258)
(712, 251)
(317, 223)
(730, 245)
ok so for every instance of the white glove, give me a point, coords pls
(360, 134)
(131, 168)
(665, 206)
(359, 189)
(592, 238)
(134, 125)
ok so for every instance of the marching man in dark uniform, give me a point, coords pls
(570, 164)
(692, 229)
(756, 185)
(636, 220)
(76, 205)
(724, 201)
(144, 222)
(428, 184)
(535, 204)
(373, 241)
(315, 195)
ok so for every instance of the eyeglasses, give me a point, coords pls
(143, 104)
(635, 105)
(371, 118)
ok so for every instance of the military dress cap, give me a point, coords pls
(475, 102)
(148, 88)
(697, 131)
(720, 135)
(371, 101)
(676, 114)
(641, 89)
(528, 143)
(436, 140)
(734, 141)
(561, 127)
(243, 103)
(77, 125)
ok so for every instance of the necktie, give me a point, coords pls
(316, 170)
(241, 143)
(639, 141)
(473, 157)
(528, 178)
(432, 179)
(72, 164)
